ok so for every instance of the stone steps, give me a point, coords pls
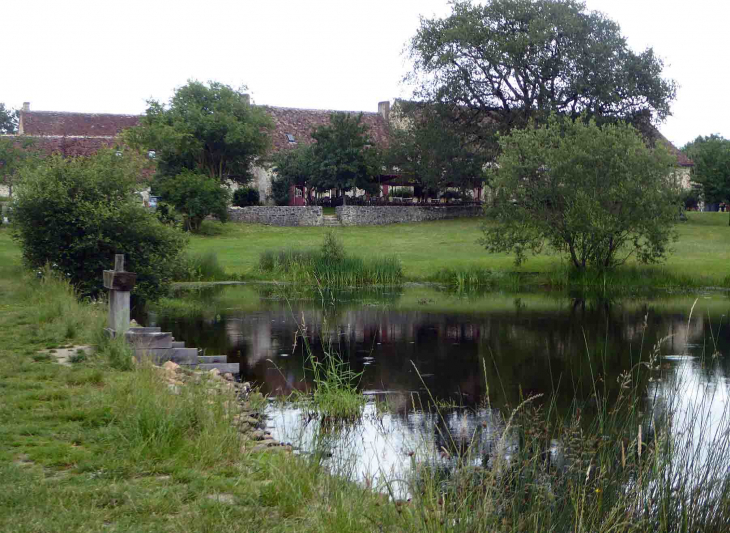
(160, 347)
(331, 220)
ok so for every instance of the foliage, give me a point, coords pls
(75, 214)
(400, 192)
(200, 267)
(432, 152)
(331, 266)
(211, 129)
(344, 156)
(195, 196)
(498, 65)
(8, 120)
(292, 167)
(711, 156)
(14, 154)
(245, 196)
(597, 194)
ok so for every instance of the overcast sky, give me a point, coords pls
(104, 56)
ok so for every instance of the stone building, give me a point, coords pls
(82, 134)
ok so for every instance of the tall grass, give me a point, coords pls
(58, 313)
(200, 267)
(331, 266)
(625, 279)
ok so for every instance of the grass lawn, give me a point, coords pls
(90, 447)
(425, 248)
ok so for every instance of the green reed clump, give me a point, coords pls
(330, 265)
(475, 277)
(200, 267)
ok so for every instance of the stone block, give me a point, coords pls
(149, 340)
(202, 359)
(233, 368)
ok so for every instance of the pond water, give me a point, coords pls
(471, 354)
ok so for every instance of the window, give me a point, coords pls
(290, 138)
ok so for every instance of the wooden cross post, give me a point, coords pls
(120, 284)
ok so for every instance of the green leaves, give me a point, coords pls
(711, 156)
(206, 128)
(196, 196)
(75, 214)
(596, 194)
(344, 157)
(513, 60)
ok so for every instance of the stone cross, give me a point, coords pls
(120, 284)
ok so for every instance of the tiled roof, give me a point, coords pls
(75, 124)
(67, 146)
(301, 122)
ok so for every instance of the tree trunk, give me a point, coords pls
(344, 198)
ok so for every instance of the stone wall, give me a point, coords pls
(375, 215)
(278, 216)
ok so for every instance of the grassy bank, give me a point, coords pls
(444, 250)
(100, 445)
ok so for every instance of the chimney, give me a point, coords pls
(384, 110)
(246, 99)
(26, 106)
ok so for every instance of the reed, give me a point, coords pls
(331, 266)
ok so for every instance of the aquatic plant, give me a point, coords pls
(331, 266)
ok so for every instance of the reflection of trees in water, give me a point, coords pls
(519, 350)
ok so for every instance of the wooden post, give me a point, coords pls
(120, 285)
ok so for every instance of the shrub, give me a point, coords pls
(246, 196)
(195, 196)
(75, 214)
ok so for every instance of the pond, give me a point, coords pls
(439, 366)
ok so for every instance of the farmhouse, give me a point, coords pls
(82, 134)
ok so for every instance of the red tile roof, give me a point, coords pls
(75, 124)
(301, 122)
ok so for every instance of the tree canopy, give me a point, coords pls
(595, 194)
(431, 153)
(8, 120)
(711, 156)
(344, 156)
(498, 65)
(292, 167)
(210, 128)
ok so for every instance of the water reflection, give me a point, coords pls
(476, 353)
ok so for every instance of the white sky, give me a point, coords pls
(105, 56)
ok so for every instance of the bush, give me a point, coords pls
(245, 197)
(75, 214)
(280, 190)
(195, 196)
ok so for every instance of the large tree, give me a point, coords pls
(498, 65)
(8, 120)
(711, 156)
(596, 194)
(431, 153)
(344, 157)
(210, 128)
